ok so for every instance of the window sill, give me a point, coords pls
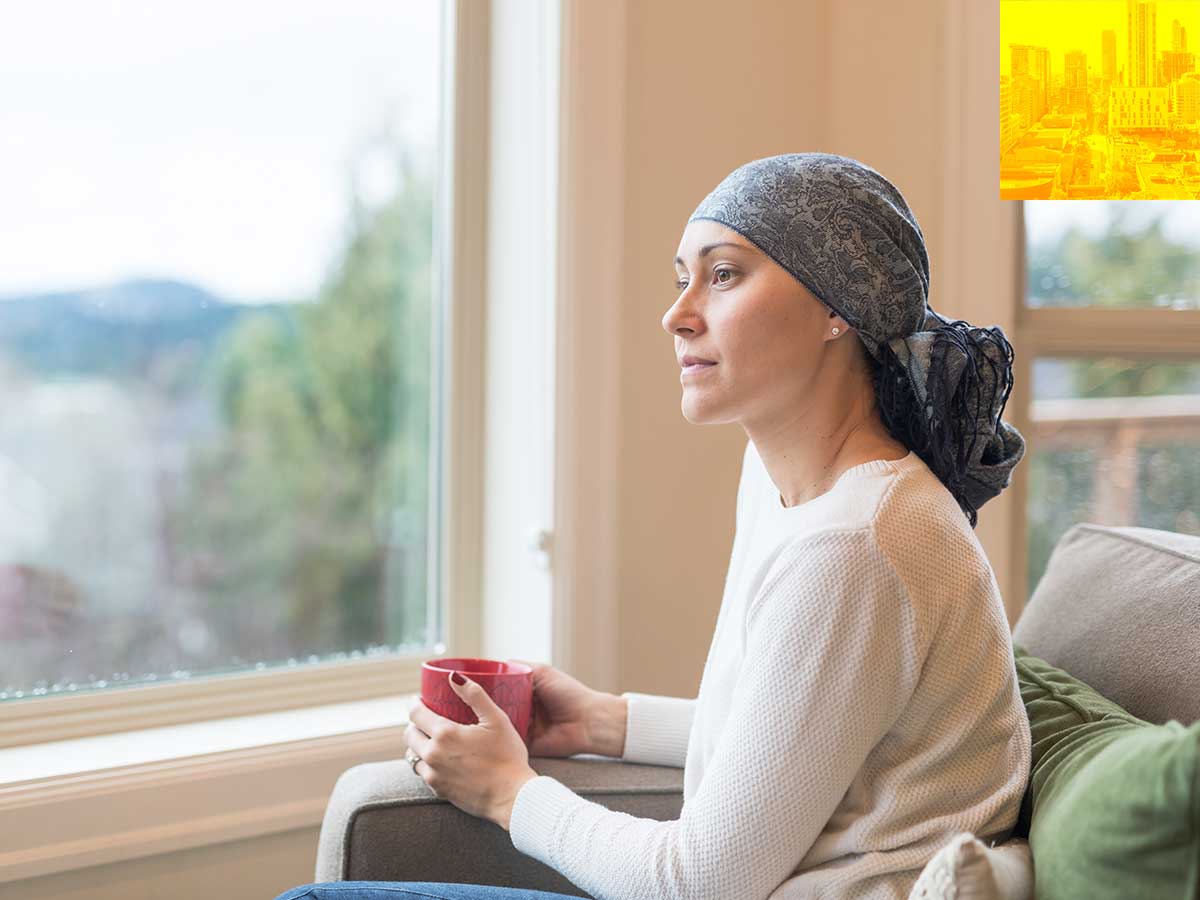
(89, 801)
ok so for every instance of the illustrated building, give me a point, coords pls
(1030, 62)
(1075, 82)
(1108, 56)
(1010, 119)
(1178, 35)
(1137, 108)
(1186, 101)
(1141, 30)
(1175, 63)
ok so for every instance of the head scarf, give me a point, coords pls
(846, 234)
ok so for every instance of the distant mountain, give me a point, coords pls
(119, 329)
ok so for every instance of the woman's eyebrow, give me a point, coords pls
(707, 248)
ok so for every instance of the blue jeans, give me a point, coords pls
(414, 890)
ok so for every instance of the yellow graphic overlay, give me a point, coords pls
(1099, 99)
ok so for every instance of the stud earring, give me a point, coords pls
(835, 330)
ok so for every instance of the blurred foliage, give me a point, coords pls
(1060, 487)
(1124, 267)
(1169, 488)
(287, 525)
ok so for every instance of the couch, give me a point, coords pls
(1117, 607)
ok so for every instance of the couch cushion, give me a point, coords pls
(1119, 608)
(1113, 804)
(968, 869)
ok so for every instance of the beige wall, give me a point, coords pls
(711, 85)
(255, 869)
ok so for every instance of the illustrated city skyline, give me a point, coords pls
(1099, 99)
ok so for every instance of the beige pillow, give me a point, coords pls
(967, 869)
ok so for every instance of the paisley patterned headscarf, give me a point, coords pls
(846, 234)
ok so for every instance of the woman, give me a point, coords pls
(859, 703)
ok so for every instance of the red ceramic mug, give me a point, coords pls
(509, 684)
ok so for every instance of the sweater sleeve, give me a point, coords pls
(832, 656)
(657, 729)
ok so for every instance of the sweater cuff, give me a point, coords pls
(657, 729)
(537, 809)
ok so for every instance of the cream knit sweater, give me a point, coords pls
(858, 707)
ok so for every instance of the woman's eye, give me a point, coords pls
(681, 284)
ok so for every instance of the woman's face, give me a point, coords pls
(764, 330)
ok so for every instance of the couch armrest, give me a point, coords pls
(383, 823)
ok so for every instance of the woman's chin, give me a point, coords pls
(699, 413)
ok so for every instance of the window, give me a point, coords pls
(216, 319)
(1110, 321)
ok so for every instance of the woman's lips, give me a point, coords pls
(687, 370)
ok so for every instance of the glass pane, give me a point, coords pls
(215, 344)
(1113, 253)
(1115, 441)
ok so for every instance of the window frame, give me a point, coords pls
(456, 498)
(1159, 334)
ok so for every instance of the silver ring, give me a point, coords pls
(413, 759)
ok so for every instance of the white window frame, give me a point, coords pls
(1161, 334)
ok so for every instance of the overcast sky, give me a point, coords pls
(203, 141)
(1047, 219)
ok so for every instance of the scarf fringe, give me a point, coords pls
(957, 413)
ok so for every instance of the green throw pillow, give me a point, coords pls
(1113, 803)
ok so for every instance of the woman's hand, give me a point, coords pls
(562, 713)
(478, 768)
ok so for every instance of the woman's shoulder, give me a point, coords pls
(929, 542)
(823, 560)
(918, 522)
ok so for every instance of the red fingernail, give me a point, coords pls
(458, 678)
